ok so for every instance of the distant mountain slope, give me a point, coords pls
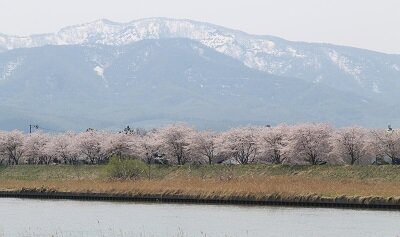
(152, 82)
(358, 71)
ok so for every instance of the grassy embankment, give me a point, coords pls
(222, 182)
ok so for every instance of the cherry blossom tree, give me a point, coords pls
(273, 141)
(351, 144)
(309, 143)
(240, 144)
(63, 148)
(11, 147)
(204, 144)
(92, 146)
(120, 144)
(149, 146)
(35, 148)
(176, 140)
(387, 143)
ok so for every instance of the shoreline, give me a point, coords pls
(272, 200)
(360, 187)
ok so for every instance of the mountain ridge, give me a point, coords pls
(111, 22)
(361, 83)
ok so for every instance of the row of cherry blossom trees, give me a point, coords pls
(308, 143)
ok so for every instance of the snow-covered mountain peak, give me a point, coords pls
(104, 31)
(319, 63)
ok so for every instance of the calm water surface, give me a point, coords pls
(24, 217)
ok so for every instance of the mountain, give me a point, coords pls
(359, 71)
(152, 82)
(154, 71)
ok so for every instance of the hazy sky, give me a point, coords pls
(372, 24)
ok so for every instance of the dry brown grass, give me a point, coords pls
(255, 187)
(220, 182)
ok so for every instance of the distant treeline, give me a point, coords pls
(309, 143)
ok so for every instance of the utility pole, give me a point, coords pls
(33, 126)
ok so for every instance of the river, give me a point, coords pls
(61, 218)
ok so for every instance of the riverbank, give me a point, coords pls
(353, 186)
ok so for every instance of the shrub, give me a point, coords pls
(126, 168)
